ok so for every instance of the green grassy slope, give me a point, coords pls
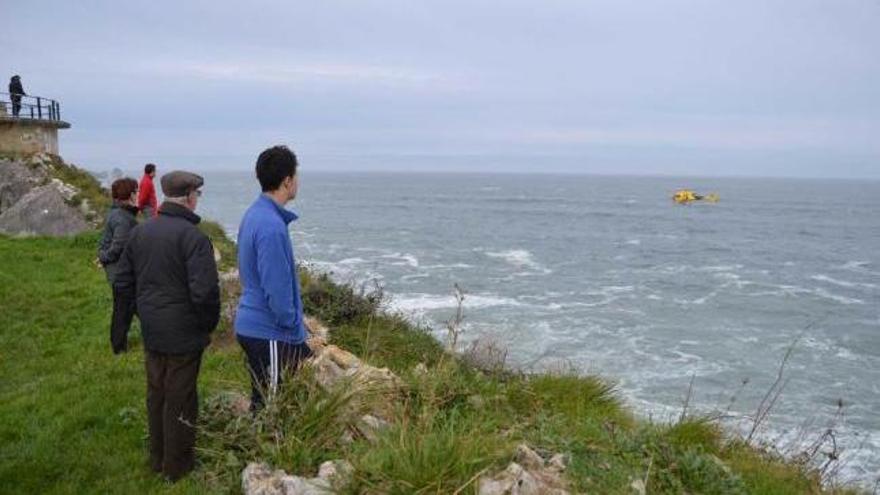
(72, 416)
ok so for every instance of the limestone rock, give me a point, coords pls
(260, 479)
(43, 211)
(370, 426)
(339, 470)
(230, 290)
(528, 457)
(375, 388)
(318, 334)
(34, 203)
(528, 475)
(16, 180)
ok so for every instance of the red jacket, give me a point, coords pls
(147, 194)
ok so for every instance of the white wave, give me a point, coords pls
(720, 268)
(519, 258)
(351, 261)
(859, 267)
(420, 302)
(795, 291)
(633, 242)
(842, 283)
(698, 301)
(844, 353)
(612, 289)
(855, 265)
(837, 298)
(405, 259)
(414, 276)
(444, 267)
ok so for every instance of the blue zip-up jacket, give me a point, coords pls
(270, 307)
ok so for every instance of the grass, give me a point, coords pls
(72, 418)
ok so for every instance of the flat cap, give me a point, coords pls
(179, 183)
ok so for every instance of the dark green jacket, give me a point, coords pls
(120, 221)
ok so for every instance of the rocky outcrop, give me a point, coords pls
(43, 211)
(16, 180)
(34, 202)
(372, 394)
(529, 474)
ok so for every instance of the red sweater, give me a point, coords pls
(147, 194)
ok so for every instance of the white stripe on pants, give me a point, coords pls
(273, 366)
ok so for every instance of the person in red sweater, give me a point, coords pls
(147, 201)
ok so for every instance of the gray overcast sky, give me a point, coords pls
(708, 87)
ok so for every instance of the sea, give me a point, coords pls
(682, 306)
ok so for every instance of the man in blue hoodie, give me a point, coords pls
(269, 322)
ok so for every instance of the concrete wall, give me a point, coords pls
(28, 136)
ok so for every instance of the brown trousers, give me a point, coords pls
(172, 410)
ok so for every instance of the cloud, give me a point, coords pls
(719, 132)
(304, 74)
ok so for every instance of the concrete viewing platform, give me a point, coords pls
(29, 124)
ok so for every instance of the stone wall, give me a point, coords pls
(27, 136)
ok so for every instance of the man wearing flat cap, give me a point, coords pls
(168, 268)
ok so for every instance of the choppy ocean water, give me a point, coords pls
(607, 275)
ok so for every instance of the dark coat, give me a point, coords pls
(120, 221)
(15, 89)
(168, 268)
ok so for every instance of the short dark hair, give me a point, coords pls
(121, 189)
(149, 168)
(274, 165)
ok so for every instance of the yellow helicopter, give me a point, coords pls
(687, 196)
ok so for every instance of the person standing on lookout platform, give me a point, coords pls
(16, 91)
(147, 201)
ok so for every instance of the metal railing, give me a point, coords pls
(29, 107)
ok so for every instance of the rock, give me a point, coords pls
(43, 211)
(327, 372)
(230, 291)
(239, 404)
(65, 190)
(40, 159)
(420, 370)
(260, 479)
(528, 475)
(340, 470)
(372, 388)
(32, 202)
(344, 359)
(638, 487)
(16, 180)
(370, 426)
(528, 457)
(318, 334)
(557, 463)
